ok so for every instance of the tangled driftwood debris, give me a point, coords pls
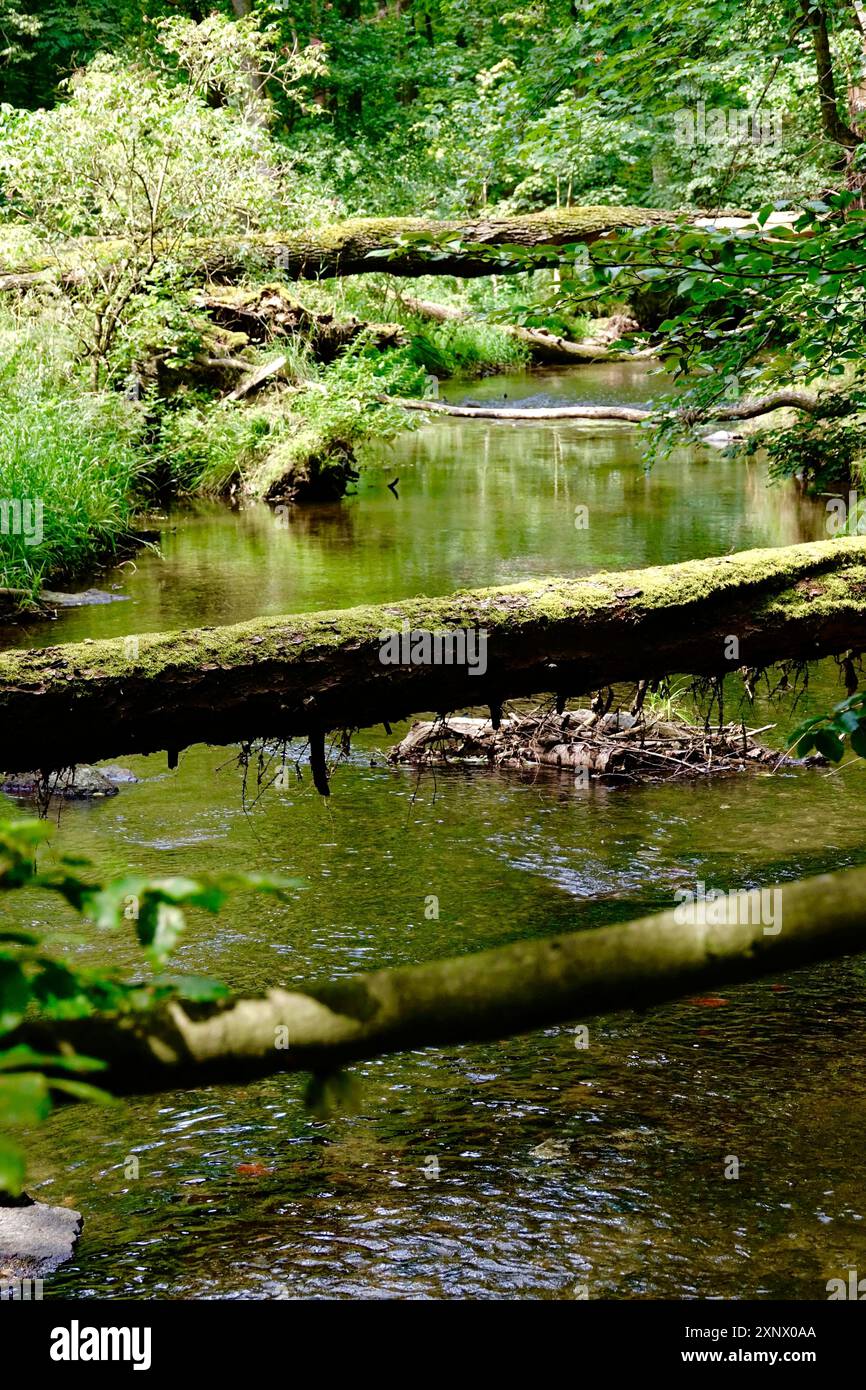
(267, 313)
(618, 745)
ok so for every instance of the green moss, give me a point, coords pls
(358, 235)
(816, 580)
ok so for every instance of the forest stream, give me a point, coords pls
(534, 1167)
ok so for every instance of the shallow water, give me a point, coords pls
(432, 1188)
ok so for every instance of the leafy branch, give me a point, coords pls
(34, 979)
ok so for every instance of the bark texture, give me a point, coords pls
(406, 246)
(288, 676)
(471, 998)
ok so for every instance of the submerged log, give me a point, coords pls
(618, 746)
(472, 998)
(278, 677)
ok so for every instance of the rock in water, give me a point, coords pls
(720, 439)
(81, 783)
(552, 1150)
(36, 1239)
(53, 598)
(117, 774)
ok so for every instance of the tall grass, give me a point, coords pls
(205, 446)
(67, 452)
(470, 348)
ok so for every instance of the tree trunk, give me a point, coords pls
(406, 246)
(287, 676)
(471, 998)
(412, 246)
(545, 348)
(834, 127)
(633, 415)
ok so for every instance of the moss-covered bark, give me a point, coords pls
(357, 246)
(285, 676)
(529, 984)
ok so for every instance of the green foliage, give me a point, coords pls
(350, 391)
(158, 128)
(159, 325)
(445, 109)
(341, 408)
(152, 154)
(204, 448)
(34, 979)
(466, 349)
(233, 61)
(136, 150)
(70, 452)
(827, 733)
(43, 40)
(824, 451)
(448, 108)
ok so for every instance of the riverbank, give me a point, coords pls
(528, 1133)
(472, 489)
(79, 465)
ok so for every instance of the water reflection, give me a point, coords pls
(529, 1167)
(478, 503)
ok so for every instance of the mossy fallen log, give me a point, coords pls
(472, 998)
(265, 314)
(405, 246)
(279, 677)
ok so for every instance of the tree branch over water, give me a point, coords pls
(806, 401)
(472, 998)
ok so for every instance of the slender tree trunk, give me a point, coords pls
(543, 347)
(471, 998)
(834, 127)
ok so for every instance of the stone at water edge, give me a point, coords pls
(36, 1239)
(117, 774)
(85, 784)
(720, 439)
(86, 598)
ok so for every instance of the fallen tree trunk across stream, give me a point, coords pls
(628, 414)
(471, 998)
(406, 246)
(307, 674)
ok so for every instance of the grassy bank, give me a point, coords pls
(76, 463)
(69, 463)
